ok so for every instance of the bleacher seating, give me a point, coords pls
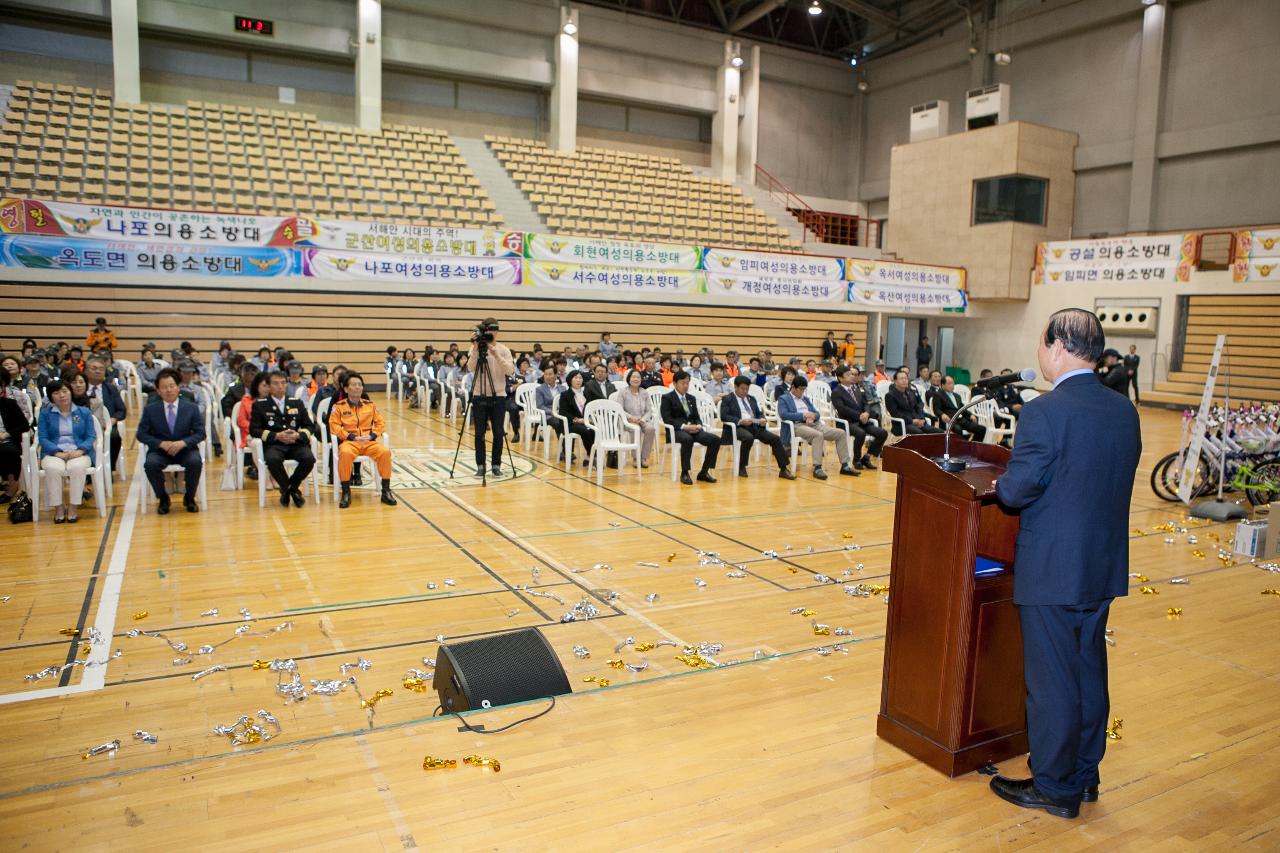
(600, 192)
(72, 143)
(1251, 364)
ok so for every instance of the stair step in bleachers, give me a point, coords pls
(600, 192)
(73, 143)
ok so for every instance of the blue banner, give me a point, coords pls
(60, 254)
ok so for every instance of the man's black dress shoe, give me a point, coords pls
(686, 479)
(785, 473)
(298, 499)
(742, 472)
(284, 497)
(163, 509)
(1090, 794)
(850, 471)
(190, 505)
(1024, 793)
(706, 477)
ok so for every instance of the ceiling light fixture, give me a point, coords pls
(815, 8)
(570, 28)
(1002, 57)
(853, 60)
(864, 86)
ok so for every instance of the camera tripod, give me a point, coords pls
(483, 387)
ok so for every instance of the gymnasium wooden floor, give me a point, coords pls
(776, 751)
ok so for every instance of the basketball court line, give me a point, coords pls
(94, 677)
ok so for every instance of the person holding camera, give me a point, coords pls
(492, 364)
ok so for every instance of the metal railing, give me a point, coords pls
(845, 229)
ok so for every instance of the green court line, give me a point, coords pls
(423, 596)
(701, 521)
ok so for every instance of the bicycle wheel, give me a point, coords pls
(1264, 484)
(1171, 474)
(1158, 483)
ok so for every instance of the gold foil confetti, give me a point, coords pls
(110, 746)
(1275, 592)
(1141, 578)
(793, 570)
(480, 761)
(1138, 531)
(616, 663)
(140, 615)
(1113, 732)
(1148, 590)
(695, 660)
(879, 589)
(821, 630)
(430, 763)
(591, 679)
(377, 697)
(262, 664)
(846, 535)
(69, 632)
(417, 685)
(1198, 554)
(671, 558)
(1174, 611)
(648, 647)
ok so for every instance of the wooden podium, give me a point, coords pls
(953, 693)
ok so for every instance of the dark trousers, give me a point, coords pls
(687, 440)
(967, 427)
(158, 460)
(1064, 652)
(486, 414)
(116, 443)
(586, 434)
(10, 459)
(1133, 383)
(277, 454)
(513, 415)
(912, 429)
(861, 432)
(749, 435)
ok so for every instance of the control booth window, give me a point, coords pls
(1010, 198)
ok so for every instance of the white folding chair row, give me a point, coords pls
(963, 392)
(95, 473)
(533, 420)
(985, 411)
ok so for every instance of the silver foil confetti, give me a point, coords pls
(821, 578)
(439, 638)
(699, 583)
(245, 614)
(327, 687)
(1110, 642)
(431, 662)
(196, 676)
(629, 641)
(539, 593)
(110, 746)
(4, 599)
(649, 565)
(735, 574)
(360, 664)
(651, 597)
(581, 652)
(1191, 540)
(638, 667)
(450, 582)
(615, 524)
(853, 546)
(771, 554)
(432, 585)
(414, 672)
(212, 611)
(512, 612)
(1177, 581)
(758, 654)
(145, 737)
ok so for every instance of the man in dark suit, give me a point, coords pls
(1072, 559)
(830, 348)
(285, 429)
(849, 398)
(1008, 398)
(95, 373)
(1131, 362)
(1112, 372)
(946, 402)
(924, 354)
(171, 429)
(905, 404)
(680, 411)
(742, 417)
(599, 387)
(236, 390)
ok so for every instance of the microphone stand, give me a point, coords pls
(945, 462)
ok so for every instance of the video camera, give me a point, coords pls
(483, 332)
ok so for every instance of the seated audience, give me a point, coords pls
(66, 438)
(547, 395)
(239, 389)
(218, 365)
(719, 386)
(607, 347)
(356, 424)
(797, 409)
(946, 402)
(148, 368)
(13, 388)
(572, 405)
(95, 372)
(742, 417)
(1008, 399)
(903, 402)
(100, 337)
(652, 376)
(80, 396)
(263, 360)
(599, 387)
(294, 384)
(286, 430)
(318, 390)
(171, 429)
(680, 411)
(258, 390)
(850, 402)
(34, 378)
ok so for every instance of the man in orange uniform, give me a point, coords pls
(356, 423)
(100, 337)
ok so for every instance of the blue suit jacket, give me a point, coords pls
(111, 400)
(81, 430)
(789, 413)
(153, 426)
(1075, 453)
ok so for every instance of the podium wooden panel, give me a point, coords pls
(953, 694)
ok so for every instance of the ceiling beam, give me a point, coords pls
(748, 18)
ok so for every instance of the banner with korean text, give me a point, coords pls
(736, 262)
(623, 253)
(400, 238)
(103, 256)
(1257, 256)
(1158, 257)
(1256, 269)
(906, 296)
(898, 273)
(614, 279)
(426, 269)
(777, 288)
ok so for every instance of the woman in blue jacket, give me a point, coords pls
(67, 449)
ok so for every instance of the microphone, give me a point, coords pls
(1027, 375)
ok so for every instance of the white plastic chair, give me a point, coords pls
(567, 438)
(361, 461)
(144, 493)
(612, 434)
(532, 418)
(1028, 394)
(965, 395)
(757, 393)
(260, 462)
(696, 385)
(984, 411)
(322, 426)
(35, 474)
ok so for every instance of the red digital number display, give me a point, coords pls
(255, 25)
